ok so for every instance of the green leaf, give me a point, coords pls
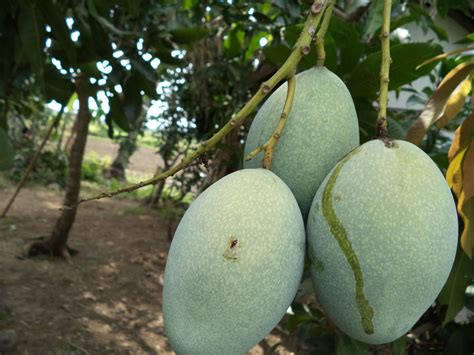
(254, 44)
(395, 129)
(71, 101)
(145, 69)
(277, 53)
(399, 346)
(117, 115)
(365, 79)
(374, 18)
(103, 21)
(56, 20)
(186, 35)
(32, 33)
(233, 42)
(6, 151)
(164, 55)
(126, 108)
(461, 342)
(132, 99)
(58, 87)
(453, 293)
(466, 40)
(349, 346)
(349, 45)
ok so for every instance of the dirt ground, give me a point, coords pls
(108, 301)
(144, 161)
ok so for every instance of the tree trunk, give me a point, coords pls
(56, 244)
(70, 139)
(61, 135)
(128, 146)
(157, 192)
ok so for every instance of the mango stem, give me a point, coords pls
(269, 146)
(320, 51)
(381, 124)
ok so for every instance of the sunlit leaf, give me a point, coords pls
(233, 43)
(454, 173)
(436, 104)
(455, 102)
(462, 137)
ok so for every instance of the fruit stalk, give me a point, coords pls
(300, 49)
(381, 125)
(320, 51)
(269, 146)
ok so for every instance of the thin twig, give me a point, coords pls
(269, 146)
(33, 161)
(300, 49)
(320, 51)
(381, 125)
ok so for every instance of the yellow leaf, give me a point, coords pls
(460, 178)
(445, 55)
(466, 210)
(463, 136)
(435, 105)
(468, 173)
(455, 102)
(454, 173)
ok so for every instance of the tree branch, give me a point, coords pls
(300, 49)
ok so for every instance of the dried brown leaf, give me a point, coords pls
(436, 104)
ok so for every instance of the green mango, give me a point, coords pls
(321, 128)
(382, 237)
(234, 265)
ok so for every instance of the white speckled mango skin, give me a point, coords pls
(321, 128)
(218, 305)
(401, 220)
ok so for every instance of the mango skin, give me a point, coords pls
(234, 265)
(322, 127)
(400, 219)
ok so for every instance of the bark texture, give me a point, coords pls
(56, 244)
